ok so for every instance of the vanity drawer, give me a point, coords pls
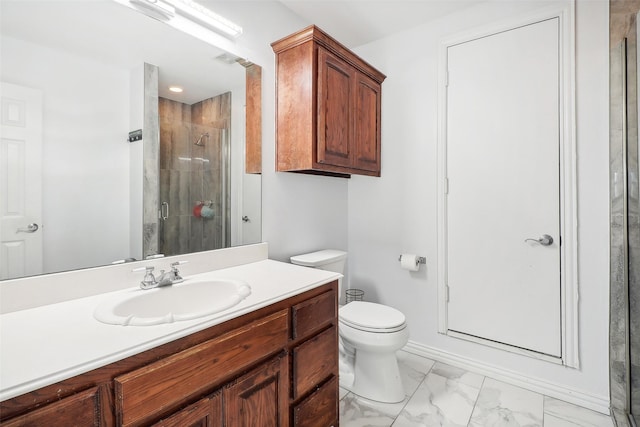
(320, 409)
(314, 361)
(313, 313)
(171, 382)
(82, 409)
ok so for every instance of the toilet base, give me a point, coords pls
(376, 377)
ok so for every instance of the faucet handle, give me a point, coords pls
(149, 280)
(177, 278)
(174, 266)
(177, 263)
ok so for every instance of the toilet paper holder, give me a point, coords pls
(421, 260)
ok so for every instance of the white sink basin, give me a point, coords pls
(185, 301)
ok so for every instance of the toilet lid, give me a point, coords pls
(314, 259)
(371, 316)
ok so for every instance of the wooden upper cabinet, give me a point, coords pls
(328, 107)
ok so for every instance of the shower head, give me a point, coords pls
(199, 141)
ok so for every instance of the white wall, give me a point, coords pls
(300, 213)
(85, 153)
(397, 213)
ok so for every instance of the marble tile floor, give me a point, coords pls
(442, 395)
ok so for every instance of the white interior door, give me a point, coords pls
(502, 163)
(20, 181)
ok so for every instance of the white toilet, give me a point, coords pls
(370, 335)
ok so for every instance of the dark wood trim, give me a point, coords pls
(314, 33)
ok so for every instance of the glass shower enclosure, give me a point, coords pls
(194, 175)
(624, 330)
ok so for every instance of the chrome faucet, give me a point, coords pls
(165, 279)
(171, 277)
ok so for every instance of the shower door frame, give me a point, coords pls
(624, 209)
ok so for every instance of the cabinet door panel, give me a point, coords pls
(367, 129)
(259, 398)
(204, 413)
(314, 361)
(335, 99)
(82, 409)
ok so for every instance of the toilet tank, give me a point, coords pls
(328, 259)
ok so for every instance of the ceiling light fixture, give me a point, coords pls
(167, 10)
(206, 17)
(157, 9)
(176, 89)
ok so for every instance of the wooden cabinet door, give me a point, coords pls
(366, 124)
(335, 104)
(260, 397)
(204, 413)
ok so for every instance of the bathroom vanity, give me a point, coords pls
(270, 361)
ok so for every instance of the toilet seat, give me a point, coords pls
(372, 317)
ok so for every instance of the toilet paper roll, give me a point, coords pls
(409, 262)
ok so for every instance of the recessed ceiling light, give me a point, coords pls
(176, 89)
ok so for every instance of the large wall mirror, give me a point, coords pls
(77, 78)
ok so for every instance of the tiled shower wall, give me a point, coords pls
(191, 173)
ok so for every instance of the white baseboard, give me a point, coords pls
(557, 391)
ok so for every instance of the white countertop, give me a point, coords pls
(44, 345)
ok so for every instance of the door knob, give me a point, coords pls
(245, 219)
(31, 228)
(545, 240)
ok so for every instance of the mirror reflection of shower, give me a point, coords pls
(199, 142)
(194, 174)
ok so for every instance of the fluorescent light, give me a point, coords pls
(157, 9)
(203, 16)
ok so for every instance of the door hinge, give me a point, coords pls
(446, 292)
(446, 186)
(446, 78)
